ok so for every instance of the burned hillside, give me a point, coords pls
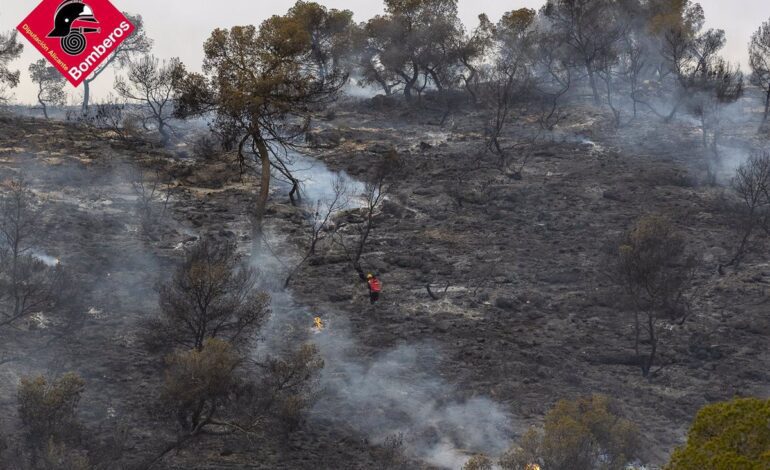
(537, 244)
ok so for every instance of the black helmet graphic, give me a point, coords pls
(73, 40)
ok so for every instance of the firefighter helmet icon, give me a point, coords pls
(73, 40)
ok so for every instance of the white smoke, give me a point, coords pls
(397, 391)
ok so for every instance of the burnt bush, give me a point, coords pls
(206, 147)
(654, 268)
(288, 385)
(479, 462)
(152, 196)
(199, 383)
(751, 184)
(212, 294)
(584, 434)
(47, 409)
(27, 284)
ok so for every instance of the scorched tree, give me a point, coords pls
(261, 84)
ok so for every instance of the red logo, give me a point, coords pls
(76, 35)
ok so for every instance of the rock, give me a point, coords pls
(424, 146)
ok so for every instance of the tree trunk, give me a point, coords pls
(383, 83)
(767, 110)
(410, 82)
(653, 346)
(40, 100)
(673, 112)
(264, 193)
(594, 86)
(86, 95)
(408, 90)
(637, 334)
(468, 83)
(436, 80)
(163, 132)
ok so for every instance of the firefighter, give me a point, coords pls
(375, 286)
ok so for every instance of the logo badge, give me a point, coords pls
(76, 36)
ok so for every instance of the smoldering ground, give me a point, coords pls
(395, 393)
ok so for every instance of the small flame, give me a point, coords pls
(319, 324)
(533, 466)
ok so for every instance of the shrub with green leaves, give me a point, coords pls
(727, 436)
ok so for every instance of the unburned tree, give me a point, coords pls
(725, 436)
(50, 85)
(759, 60)
(10, 49)
(655, 269)
(151, 83)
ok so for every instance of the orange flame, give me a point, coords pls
(319, 324)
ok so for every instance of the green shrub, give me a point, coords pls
(727, 436)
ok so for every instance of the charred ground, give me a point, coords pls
(526, 311)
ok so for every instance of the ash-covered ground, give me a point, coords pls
(523, 311)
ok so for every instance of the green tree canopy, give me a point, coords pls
(727, 436)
